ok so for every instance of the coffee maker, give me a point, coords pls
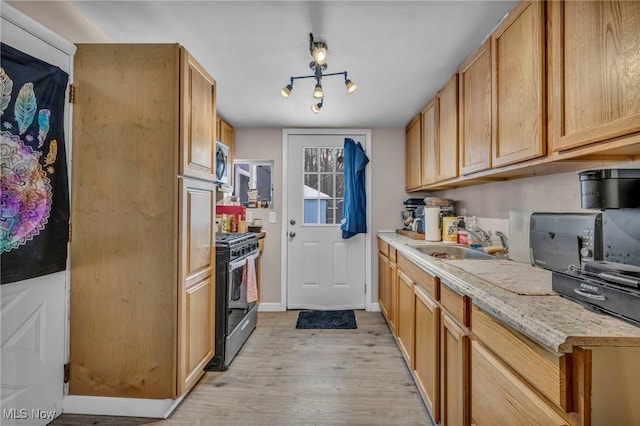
(413, 213)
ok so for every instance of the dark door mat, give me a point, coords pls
(327, 319)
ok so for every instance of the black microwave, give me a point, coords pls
(222, 163)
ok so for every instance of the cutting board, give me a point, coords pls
(411, 234)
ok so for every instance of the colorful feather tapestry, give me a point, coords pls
(34, 213)
(6, 86)
(53, 153)
(25, 108)
(43, 126)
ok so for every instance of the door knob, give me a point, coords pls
(292, 234)
(293, 222)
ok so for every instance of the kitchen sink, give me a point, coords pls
(448, 252)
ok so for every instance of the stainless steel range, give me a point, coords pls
(235, 317)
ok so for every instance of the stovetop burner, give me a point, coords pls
(232, 238)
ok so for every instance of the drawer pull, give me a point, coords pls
(590, 295)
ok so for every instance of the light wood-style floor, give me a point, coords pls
(285, 376)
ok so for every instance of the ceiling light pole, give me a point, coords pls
(319, 51)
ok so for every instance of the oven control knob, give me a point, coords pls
(585, 252)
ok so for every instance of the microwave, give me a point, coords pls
(222, 163)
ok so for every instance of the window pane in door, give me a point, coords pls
(310, 159)
(339, 185)
(326, 185)
(339, 212)
(327, 159)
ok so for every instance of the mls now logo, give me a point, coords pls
(23, 413)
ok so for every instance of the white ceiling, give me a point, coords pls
(399, 53)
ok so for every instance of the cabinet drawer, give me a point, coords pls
(383, 247)
(431, 285)
(456, 305)
(547, 371)
(393, 254)
(499, 397)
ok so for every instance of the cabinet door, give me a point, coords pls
(226, 136)
(392, 308)
(454, 362)
(517, 46)
(499, 397)
(197, 281)
(594, 70)
(383, 284)
(198, 120)
(427, 351)
(405, 318)
(429, 141)
(475, 111)
(413, 155)
(447, 146)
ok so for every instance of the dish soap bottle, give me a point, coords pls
(463, 236)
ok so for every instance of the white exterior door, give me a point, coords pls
(33, 312)
(324, 271)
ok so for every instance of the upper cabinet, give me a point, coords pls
(198, 90)
(518, 85)
(594, 71)
(429, 141)
(413, 153)
(447, 138)
(475, 111)
(225, 134)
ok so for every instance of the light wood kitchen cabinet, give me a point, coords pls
(455, 360)
(447, 139)
(225, 134)
(594, 72)
(392, 309)
(515, 380)
(413, 155)
(475, 111)
(501, 398)
(405, 319)
(387, 282)
(429, 141)
(427, 350)
(142, 208)
(518, 97)
(383, 278)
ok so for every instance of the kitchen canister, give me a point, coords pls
(449, 236)
(432, 224)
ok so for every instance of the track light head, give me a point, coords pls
(351, 86)
(318, 93)
(286, 91)
(316, 107)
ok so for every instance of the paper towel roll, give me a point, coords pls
(432, 230)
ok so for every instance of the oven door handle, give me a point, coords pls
(233, 265)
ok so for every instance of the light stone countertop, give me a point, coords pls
(556, 323)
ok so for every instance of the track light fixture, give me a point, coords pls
(318, 51)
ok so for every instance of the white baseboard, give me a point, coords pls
(375, 307)
(271, 307)
(130, 407)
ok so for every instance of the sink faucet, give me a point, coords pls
(503, 240)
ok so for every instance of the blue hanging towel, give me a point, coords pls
(355, 198)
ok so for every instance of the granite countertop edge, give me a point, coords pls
(552, 321)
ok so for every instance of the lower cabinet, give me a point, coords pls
(501, 398)
(426, 365)
(471, 368)
(405, 319)
(455, 372)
